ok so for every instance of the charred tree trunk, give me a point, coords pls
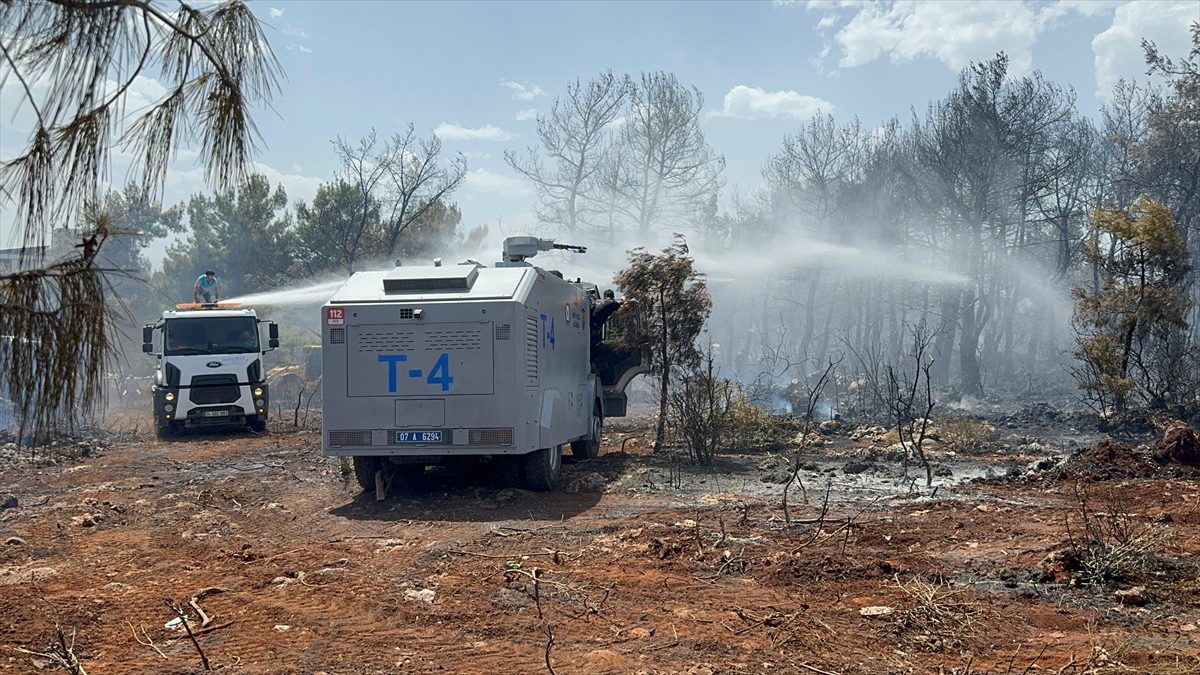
(968, 346)
(944, 344)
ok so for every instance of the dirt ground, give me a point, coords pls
(637, 564)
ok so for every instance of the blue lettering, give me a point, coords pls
(441, 372)
(392, 360)
(547, 336)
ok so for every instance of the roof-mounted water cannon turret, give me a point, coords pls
(518, 249)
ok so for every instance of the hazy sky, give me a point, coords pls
(478, 73)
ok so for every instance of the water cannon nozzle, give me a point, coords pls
(571, 247)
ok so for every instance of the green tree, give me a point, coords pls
(1131, 334)
(339, 228)
(243, 234)
(134, 219)
(341, 231)
(669, 302)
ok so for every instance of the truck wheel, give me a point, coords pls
(585, 448)
(543, 468)
(364, 472)
(403, 478)
(165, 431)
(257, 424)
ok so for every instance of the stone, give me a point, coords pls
(856, 466)
(1136, 596)
(14, 541)
(86, 520)
(589, 482)
(10, 502)
(875, 611)
(424, 595)
(777, 477)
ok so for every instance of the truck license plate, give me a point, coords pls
(216, 413)
(418, 437)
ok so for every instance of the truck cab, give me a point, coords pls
(210, 371)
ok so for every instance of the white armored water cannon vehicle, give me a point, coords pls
(427, 365)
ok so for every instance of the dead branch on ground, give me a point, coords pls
(549, 647)
(192, 636)
(145, 640)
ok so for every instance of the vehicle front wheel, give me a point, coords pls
(257, 424)
(543, 468)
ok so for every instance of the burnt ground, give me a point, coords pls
(638, 564)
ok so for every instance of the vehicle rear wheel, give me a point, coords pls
(589, 448)
(543, 468)
(364, 472)
(399, 478)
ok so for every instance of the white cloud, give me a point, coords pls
(523, 91)
(1118, 49)
(482, 180)
(297, 185)
(293, 47)
(294, 31)
(752, 103)
(276, 12)
(525, 115)
(457, 132)
(955, 33)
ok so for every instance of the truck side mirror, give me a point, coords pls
(147, 339)
(273, 334)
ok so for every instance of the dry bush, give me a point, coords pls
(700, 409)
(1111, 546)
(965, 435)
(753, 429)
(938, 616)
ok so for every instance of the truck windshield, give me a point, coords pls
(211, 335)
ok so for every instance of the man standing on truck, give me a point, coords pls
(600, 313)
(207, 287)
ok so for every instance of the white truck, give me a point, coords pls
(431, 365)
(210, 370)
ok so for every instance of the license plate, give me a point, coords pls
(418, 437)
(216, 413)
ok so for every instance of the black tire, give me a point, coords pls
(543, 468)
(165, 431)
(403, 478)
(257, 424)
(364, 472)
(585, 448)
